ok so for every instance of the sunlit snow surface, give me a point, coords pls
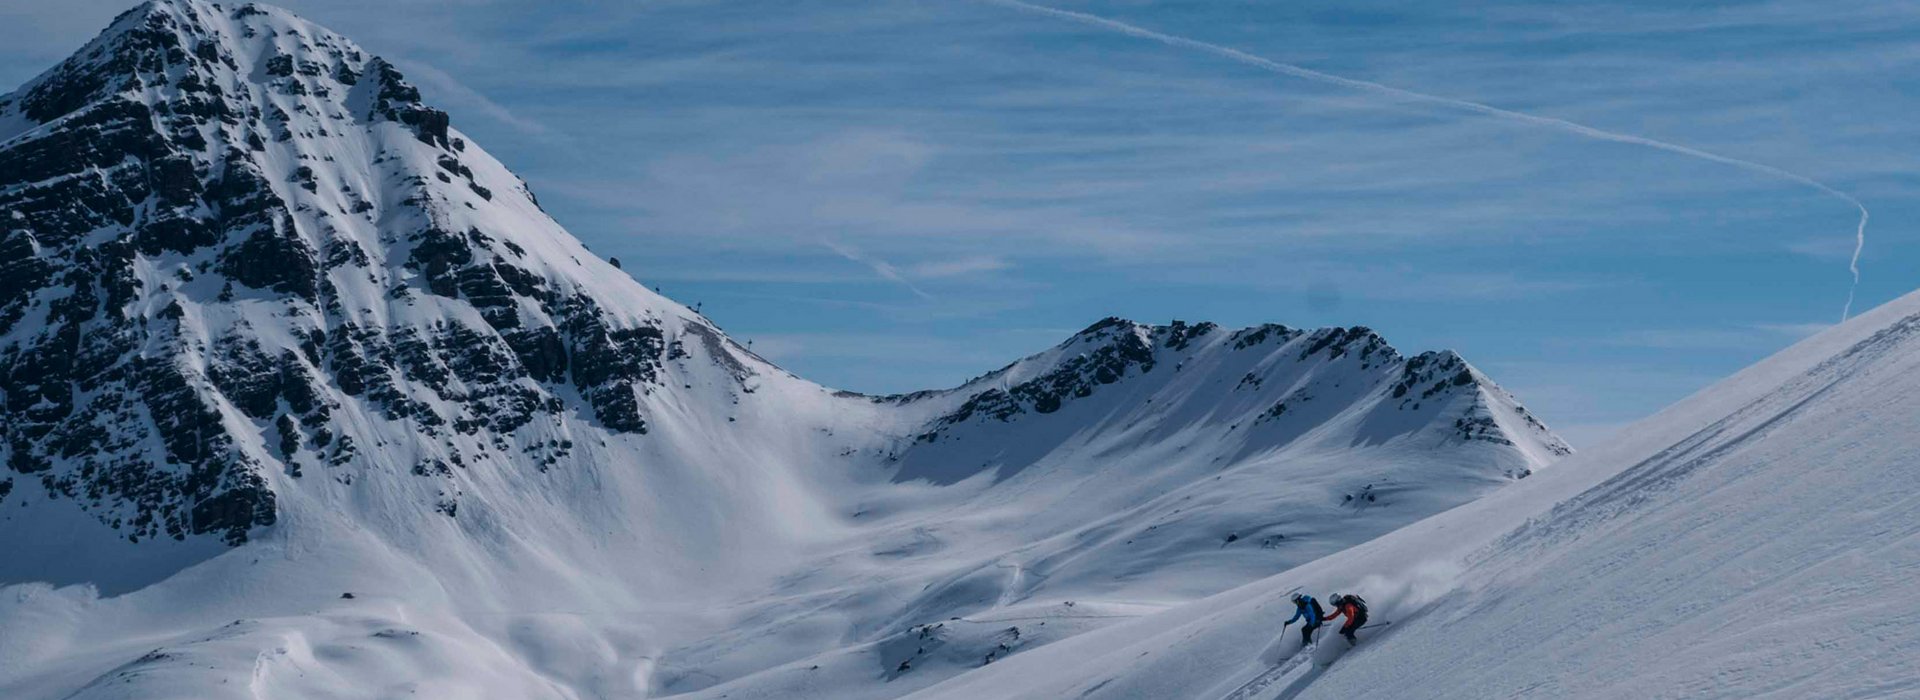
(1755, 540)
(763, 537)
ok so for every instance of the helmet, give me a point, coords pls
(1336, 599)
(1299, 598)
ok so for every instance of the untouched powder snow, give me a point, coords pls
(1757, 540)
(303, 395)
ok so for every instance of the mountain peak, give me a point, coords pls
(153, 46)
(1287, 380)
(273, 233)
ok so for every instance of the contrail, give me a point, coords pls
(884, 269)
(1860, 234)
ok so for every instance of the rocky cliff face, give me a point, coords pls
(237, 246)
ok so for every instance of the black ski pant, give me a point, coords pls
(1306, 633)
(1352, 626)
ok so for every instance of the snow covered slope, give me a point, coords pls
(302, 394)
(1130, 468)
(1758, 539)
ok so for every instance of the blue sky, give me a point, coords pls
(887, 196)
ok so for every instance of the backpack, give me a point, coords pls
(1358, 604)
(1319, 613)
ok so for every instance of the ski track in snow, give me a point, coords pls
(1267, 678)
(1272, 66)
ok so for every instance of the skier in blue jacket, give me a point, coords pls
(1305, 607)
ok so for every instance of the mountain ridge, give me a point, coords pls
(1651, 566)
(273, 329)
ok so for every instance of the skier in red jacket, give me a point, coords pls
(1356, 611)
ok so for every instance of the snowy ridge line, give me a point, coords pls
(1272, 66)
(312, 360)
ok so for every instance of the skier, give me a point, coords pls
(1305, 607)
(1356, 611)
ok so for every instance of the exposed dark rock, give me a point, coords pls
(1118, 347)
(399, 101)
(1338, 342)
(1179, 335)
(1430, 374)
(610, 365)
(275, 258)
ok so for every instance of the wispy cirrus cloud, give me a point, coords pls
(1754, 337)
(439, 82)
(1794, 331)
(960, 267)
(955, 357)
(884, 269)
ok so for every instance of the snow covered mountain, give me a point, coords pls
(301, 393)
(1756, 540)
(1130, 468)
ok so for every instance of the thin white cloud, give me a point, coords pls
(746, 274)
(1331, 283)
(880, 267)
(1795, 331)
(959, 267)
(1764, 337)
(438, 81)
(1688, 339)
(1828, 249)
